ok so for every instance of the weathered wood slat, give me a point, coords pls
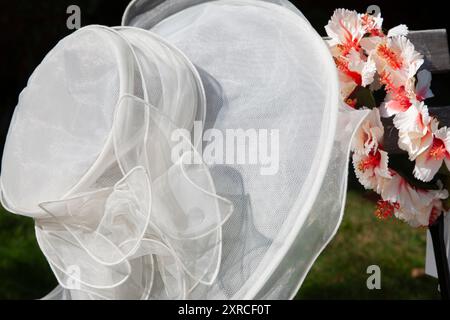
(433, 45)
(391, 133)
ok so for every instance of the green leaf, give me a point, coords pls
(444, 171)
(364, 98)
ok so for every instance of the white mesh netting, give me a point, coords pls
(137, 224)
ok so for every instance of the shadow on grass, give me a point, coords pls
(339, 273)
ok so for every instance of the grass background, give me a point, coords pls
(339, 272)
(363, 240)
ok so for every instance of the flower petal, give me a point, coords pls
(426, 167)
(400, 30)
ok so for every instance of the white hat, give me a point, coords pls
(255, 190)
(264, 66)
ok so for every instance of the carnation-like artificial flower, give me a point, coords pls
(386, 209)
(371, 168)
(368, 44)
(430, 161)
(369, 135)
(397, 57)
(415, 128)
(399, 99)
(424, 217)
(345, 30)
(372, 24)
(400, 30)
(415, 206)
(354, 70)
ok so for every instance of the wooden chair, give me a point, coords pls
(433, 45)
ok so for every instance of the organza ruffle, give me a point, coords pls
(161, 221)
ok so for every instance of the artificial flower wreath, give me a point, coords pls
(380, 71)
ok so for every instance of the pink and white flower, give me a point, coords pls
(399, 99)
(369, 44)
(415, 205)
(415, 128)
(430, 161)
(400, 30)
(369, 135)
(354, 70)
(397, 57)
(371, 168)
(372, 24)
(425, 215)
(345, 30)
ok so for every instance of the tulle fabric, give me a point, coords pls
(123, 237)
(119, 218)
(137, 225)
(65, 114)
(264, 66)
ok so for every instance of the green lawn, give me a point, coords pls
(339, 273)
(363, 240)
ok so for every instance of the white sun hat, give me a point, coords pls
(88, 156)
(65, 114)
(263, 66)
(204, 159)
